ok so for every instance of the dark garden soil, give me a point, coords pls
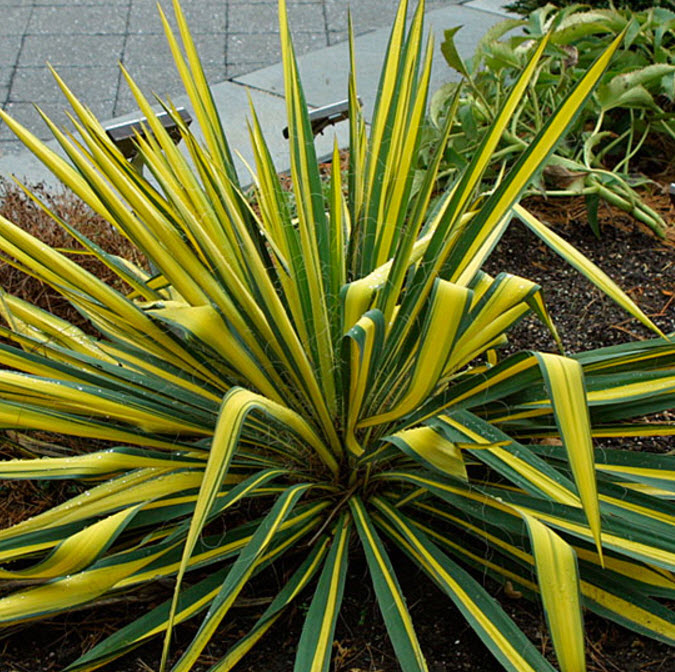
(641, 264)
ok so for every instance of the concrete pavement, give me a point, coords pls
(239, 44)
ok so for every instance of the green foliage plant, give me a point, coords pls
(526, 7)
(337, 372)
(630, 115)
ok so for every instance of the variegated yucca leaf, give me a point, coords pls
(332, 360)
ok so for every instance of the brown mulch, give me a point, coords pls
(586, 318)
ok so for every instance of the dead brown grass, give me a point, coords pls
(17, 207)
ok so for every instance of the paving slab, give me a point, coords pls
(79, 3)
(245, 48)
(202, 17)
(325, 74)
(6, 75)
(78, 20)
(64, 50)
(247, 17)
(493, 6)
(153, 50)
(10, 46)
(372, 14)
(14, 20)
(36, 84)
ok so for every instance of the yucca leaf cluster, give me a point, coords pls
(337, 367)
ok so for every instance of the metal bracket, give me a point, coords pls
(329, 115)
(125, 133)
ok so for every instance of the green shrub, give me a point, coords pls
(338, 370)
(631, 114)
(526, 7)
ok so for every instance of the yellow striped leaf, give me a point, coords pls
(558, 580)
(565, 383)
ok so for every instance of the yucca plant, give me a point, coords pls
(336, 368)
